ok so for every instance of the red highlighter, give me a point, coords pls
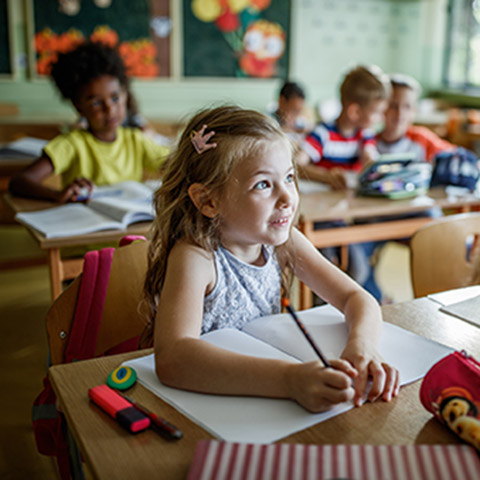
(118, 408)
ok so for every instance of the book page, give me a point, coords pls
(456, 295)
(412, 354)
(67, 220)
(230, 417)
(126, 202)
(468, 310)
(26, 147)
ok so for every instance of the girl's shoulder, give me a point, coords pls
(186, 249)
(193, 264)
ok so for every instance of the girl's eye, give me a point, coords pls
(290, 178)
(115, 98)
(261, 185)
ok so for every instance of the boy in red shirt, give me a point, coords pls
(399, 135)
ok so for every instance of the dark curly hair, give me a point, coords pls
(90, 60)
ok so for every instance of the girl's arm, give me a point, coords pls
(28, 183)
(182, 360)
(362, 314)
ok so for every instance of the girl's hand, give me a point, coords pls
(79, 190)
(317, 388)
(385, 379)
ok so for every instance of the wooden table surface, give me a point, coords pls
(111, 452)
(347, 206)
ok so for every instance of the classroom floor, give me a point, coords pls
(24, 301)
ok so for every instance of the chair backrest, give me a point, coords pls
(441, 253)
(121, 318)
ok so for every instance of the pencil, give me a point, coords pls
(303, 329)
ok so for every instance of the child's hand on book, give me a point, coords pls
(78, 191)
(375, 377)
(317, 388)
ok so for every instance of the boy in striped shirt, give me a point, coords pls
(349, 143)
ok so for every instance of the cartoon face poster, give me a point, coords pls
(140, 30)
(236, 38)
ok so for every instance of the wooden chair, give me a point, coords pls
(441, 253)
(102, 316)
(121, 319)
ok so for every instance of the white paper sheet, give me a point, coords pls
(456, 295)
(265, 420)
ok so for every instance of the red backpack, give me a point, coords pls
(50, 429)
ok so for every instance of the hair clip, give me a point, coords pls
(200, 140)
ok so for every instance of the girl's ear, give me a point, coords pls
(203, 200)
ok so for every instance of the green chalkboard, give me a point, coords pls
(5, 59)
(140, 29)
(249, 42)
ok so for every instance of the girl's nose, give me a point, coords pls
(285, 196)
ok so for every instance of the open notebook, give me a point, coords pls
(265, 420)
(112, 207)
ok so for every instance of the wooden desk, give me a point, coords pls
(66, 269)
(346, 206)
(111, 452)
(314, 207)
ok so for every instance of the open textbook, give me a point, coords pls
(247, 419)
(24, 148)
(111, 207)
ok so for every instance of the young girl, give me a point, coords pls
(222, 238)
(94, 78)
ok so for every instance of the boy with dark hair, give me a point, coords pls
(93, 78)
(291, 111)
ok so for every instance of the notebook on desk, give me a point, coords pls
(243, 418)
(215, 460)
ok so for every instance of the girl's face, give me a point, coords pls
(103, 102)
(260, 201)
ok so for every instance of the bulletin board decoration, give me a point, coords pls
(236, 38)
(6, 67)
(140, 30)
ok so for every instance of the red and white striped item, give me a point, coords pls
(216, 460)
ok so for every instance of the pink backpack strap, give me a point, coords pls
(89, 309)
(128, 239)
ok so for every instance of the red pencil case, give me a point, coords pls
(451, 391)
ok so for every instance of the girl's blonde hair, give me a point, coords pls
(239, 135)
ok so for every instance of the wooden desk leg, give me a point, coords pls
(344, 257)
(56, 271)
(306, 297)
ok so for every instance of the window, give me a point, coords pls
(462, 56)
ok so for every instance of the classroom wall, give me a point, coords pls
(328, 36)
